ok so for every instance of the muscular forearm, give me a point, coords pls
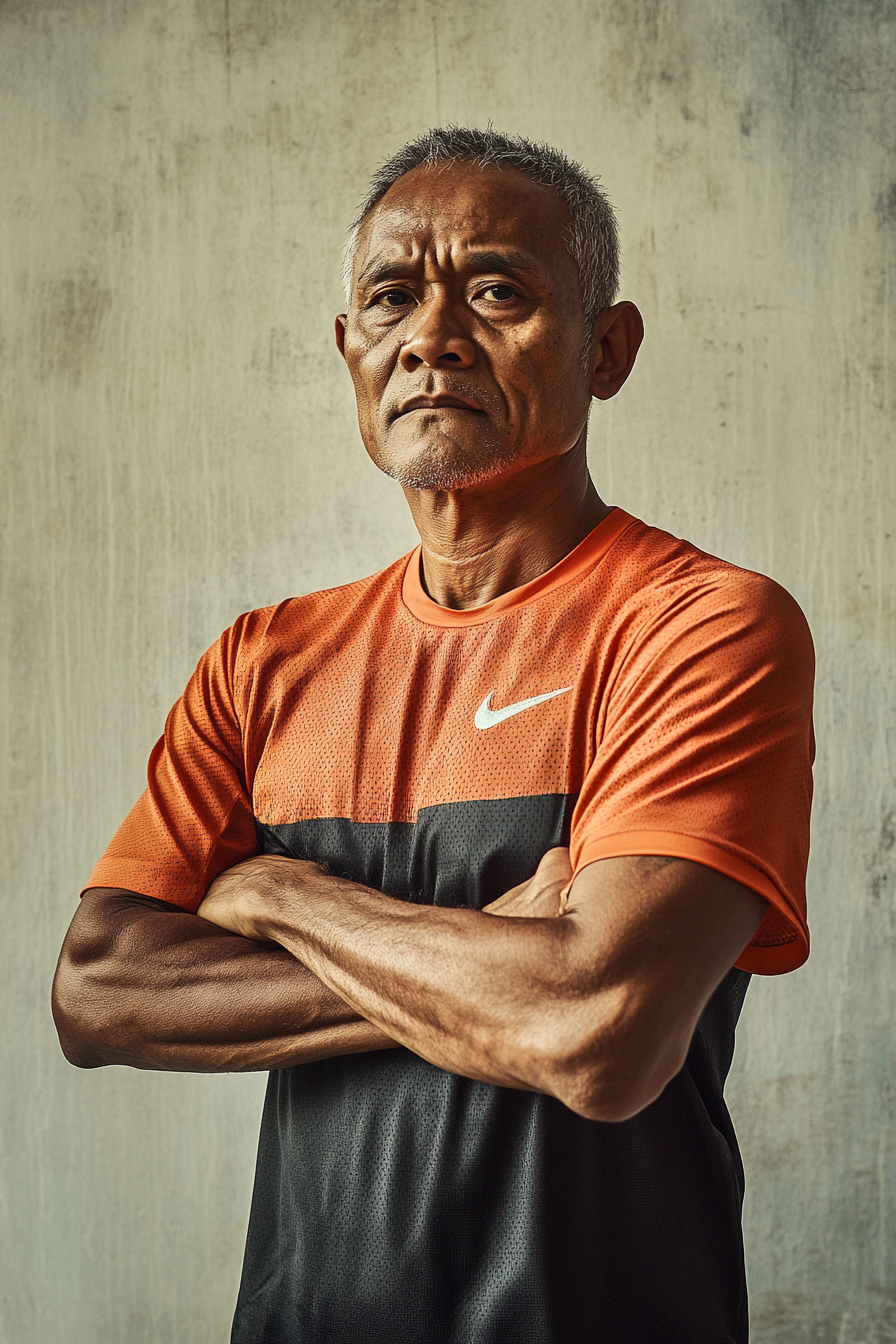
(595, 1007)
(467, 991)
(463, 989)
(144, 985)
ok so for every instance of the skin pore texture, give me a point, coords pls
(474, 370)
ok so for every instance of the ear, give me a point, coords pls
(340, 333)
(616, 336)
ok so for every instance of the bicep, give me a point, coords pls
(195, 817)
(105, 914)
(113, 938)
(704, 753)
(666, 921)
(653, 937)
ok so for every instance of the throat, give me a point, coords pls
(465, 563)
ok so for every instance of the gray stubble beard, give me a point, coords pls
(444, 466)
(446, 474)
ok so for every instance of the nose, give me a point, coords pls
(437, 338)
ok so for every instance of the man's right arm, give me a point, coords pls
(143, 983)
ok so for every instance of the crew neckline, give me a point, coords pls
(579, 560)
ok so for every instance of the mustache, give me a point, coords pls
(443, 390)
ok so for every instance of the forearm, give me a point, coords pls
(475, 994)
(594, 1003)
(162, 989)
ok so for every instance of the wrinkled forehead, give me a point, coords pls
(452, 209)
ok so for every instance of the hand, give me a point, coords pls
(237, 898)
(538, 897)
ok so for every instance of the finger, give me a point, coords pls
(506, 898)
(556, 861)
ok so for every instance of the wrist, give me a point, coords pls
(280, 892)
(254, 897)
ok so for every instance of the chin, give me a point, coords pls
(444, 465)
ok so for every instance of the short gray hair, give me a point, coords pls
(592, 236)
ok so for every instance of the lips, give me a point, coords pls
(436, 401)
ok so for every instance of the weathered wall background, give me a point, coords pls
(180, 445)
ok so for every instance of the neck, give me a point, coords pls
(486, 540)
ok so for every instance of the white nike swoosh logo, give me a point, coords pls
(487, 718)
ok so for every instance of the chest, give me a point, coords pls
(408, 718)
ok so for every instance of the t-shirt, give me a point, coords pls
(641, 697)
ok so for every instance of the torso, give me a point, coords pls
(396, 1203)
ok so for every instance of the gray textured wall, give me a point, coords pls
(180, 445)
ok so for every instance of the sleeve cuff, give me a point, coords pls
(145, 879)
(780, 944)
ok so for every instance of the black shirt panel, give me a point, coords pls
(397, 1203)
(455, 854)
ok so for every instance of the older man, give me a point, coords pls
(476, 854)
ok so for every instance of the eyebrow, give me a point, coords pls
(509, 262)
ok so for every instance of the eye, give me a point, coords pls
(499, 293)
(393, 298)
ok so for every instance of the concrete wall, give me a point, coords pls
(180, 445)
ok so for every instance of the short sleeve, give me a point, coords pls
(705, 751)
(195, 818)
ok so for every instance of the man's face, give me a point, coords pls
(465, 334)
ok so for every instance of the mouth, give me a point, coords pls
(437, 401)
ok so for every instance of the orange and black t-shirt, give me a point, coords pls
(641, 697)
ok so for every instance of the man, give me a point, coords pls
(484, 847)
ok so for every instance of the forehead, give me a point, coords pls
(454, 208)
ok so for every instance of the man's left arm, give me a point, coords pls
(594, 1003)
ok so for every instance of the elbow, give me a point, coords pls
(614, 1073)
(79, 1054)
(78, 1023)
(606, 1098)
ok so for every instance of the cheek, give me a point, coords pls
(548, 393)
(367, 381)
(370, 365)
(542, 366)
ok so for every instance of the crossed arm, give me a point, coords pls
(592, 999)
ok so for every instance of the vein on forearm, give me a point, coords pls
(467, 990)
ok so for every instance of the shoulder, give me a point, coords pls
(664, 574)
(676, 600)
(261, 638)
